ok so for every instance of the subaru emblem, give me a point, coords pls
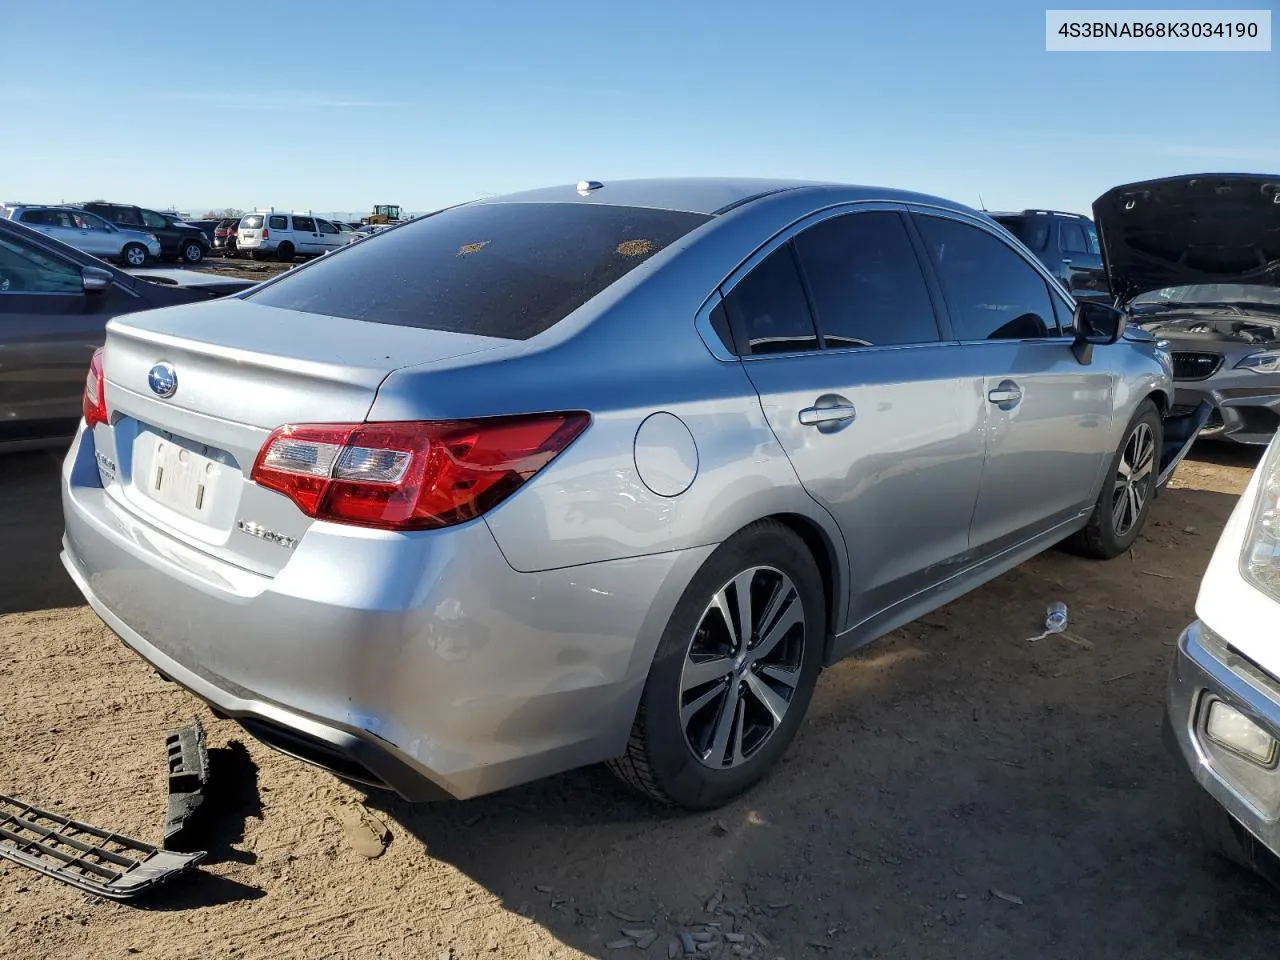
(163, 380)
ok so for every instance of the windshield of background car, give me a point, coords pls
(251, 222)
(1241, 293)
(508, 270)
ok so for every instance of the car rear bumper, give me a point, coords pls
(421, 662)
(1246, 405)
(1205, 669)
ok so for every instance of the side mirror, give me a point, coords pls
(95, 279)
(1095, 323)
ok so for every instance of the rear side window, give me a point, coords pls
(508, 270)
(1033, 231)
(1073, 240)
(767, 310)
(252, 221)
(154, 220)
(865, 282)
(1091, 237)
(276, 223)
(126, 216)
(992, 293)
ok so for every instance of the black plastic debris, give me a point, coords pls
(188, 775)
(90, 858)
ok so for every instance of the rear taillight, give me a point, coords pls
(266, 234)
(410, 475)
(95, 392)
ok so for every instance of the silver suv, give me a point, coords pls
(597, 473)
(87, 232)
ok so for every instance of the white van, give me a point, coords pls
(289, 235)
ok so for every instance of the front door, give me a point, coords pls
(49, 327)
(330, 238)
(862, 395)
(306, 236)
(169, 236)
(1048, 415)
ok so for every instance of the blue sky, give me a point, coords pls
(340, 105)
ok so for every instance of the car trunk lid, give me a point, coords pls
(189, 414)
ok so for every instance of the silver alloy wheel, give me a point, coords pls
(193, 253)
(1133, 479)
(742, 667)
(136, 256)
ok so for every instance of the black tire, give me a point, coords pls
(192, 251)
(660, 760)
(1103, 538)
(133, 255)
(286, 252)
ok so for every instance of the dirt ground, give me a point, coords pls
(956, 791)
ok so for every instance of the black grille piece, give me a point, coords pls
(1195, 366)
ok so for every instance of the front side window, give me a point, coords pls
(326, 226)
(509, 270)
(27, 269)
(992, 293)
(865, 281)
(767, 310)
(305, 224)
(90, 221)
(154, 220)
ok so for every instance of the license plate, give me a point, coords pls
(247, 234)
(182, 479)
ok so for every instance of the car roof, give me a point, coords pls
(705, 195)
(1035, 212)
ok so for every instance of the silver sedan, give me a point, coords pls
(605, 472)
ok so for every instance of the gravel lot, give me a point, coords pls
(956, 792)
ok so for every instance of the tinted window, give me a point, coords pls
(992, 293)
(274, 223)
(1072, 235)
(154, 219)
(305, 224)
(767, 310)
(326, 226)
(508, 270)
(125, 216)
(253, 221)
(865, 281)
(27, 269)
(1032, 230)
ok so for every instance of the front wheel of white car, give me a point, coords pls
(1124, 502)
(733, 673)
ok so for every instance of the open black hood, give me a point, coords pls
(1199, 228)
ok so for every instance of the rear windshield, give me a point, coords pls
(508, 270)
(253, 221)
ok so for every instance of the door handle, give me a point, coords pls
(1006, 395)
(830, 412)
(1066, 261)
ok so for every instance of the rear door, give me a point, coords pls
(863, 394)
(1081, 257)
(49, 327)
(1049, 416)
(306, 236)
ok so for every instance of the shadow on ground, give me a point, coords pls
(31, 527)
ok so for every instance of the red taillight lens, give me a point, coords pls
(410, 475)
(95, 392)
(266, 234)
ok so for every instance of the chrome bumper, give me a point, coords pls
(1205, 668)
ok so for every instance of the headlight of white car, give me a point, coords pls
(1267, 361)
(1260, 557)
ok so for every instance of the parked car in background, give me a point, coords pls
(55, 302)
(1196, 261)
(285, 236)
(1223, 716)
(549, 539)
(206, 227)
(1066, 243)
(178, 240)
(86, 231)
(224, 236)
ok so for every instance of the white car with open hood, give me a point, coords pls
(1224, 689)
